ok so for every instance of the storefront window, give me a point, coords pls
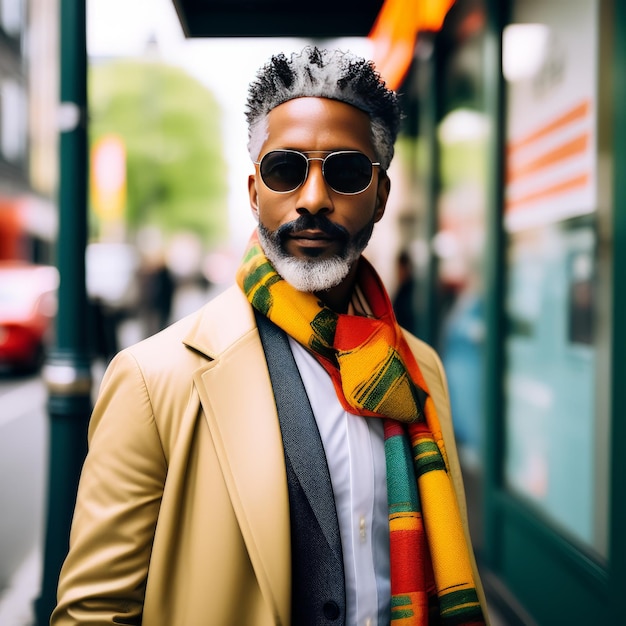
(550, 387)
(554, 418)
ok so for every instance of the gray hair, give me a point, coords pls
(325, 74)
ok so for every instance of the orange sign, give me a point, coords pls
(108, 177)
(550, 168)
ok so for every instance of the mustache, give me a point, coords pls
(312, 222)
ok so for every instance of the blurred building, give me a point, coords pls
(28, 171)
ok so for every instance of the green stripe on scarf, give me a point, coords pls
(427, 458)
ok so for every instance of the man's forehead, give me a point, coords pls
(308, 105)
(313, 123)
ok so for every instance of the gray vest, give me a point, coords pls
(318, 584)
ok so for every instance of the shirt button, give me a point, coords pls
(362, 528)
(331, 610)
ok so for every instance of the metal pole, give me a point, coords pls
(67, 372)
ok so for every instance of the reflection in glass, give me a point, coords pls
(550, 386)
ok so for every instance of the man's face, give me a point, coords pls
(314, 229)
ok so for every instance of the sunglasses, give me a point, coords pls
(345, 171)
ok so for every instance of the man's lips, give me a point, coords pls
(312, 243)
(311, 236)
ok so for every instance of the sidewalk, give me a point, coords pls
(23, 471)
(17, 600)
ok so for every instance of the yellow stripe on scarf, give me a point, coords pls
(444, 530)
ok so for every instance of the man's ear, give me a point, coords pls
(382, 195)
(254, 196)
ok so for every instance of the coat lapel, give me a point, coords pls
(238, 403)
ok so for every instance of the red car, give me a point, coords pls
(28, 305)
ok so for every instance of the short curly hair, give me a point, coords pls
(326, 74)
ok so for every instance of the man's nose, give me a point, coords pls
(314, 195)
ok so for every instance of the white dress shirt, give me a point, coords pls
(355, 454)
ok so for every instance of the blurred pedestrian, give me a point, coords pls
(285, 455)
(157, 287)
(404, 300)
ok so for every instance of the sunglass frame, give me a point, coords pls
(329, 153)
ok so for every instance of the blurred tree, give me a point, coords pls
(171, 127)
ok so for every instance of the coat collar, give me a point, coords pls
(229, 312)
(238, 403)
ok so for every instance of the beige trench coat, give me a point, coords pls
(182, 517)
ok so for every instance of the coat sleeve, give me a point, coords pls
(103, 578)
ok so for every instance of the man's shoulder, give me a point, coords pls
(419, 348)
(429, 362)
(206, 331)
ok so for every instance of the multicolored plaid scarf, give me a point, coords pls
(376, 375)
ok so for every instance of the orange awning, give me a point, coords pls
(395, 32)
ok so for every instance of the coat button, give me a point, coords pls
(331, 610)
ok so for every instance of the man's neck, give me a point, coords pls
(338, 298)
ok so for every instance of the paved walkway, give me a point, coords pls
(17, 600)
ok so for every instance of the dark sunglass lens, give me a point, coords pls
(283, 171)
(348, 172)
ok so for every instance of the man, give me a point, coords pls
(251, 464)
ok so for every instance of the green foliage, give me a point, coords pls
(170, 124)
(463, 162)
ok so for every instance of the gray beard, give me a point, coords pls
(313, 275)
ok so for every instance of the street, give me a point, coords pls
(23, 469)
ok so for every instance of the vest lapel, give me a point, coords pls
(317, 563)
